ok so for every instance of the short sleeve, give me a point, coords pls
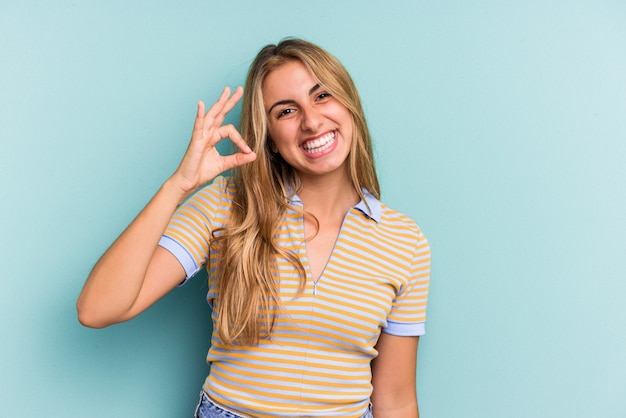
(408, 311)
(188, 233)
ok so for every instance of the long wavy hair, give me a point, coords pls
(247, 298)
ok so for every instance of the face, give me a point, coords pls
(309, 128)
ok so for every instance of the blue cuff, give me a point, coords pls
(403, 329)
(182, 255)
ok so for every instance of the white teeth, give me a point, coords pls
(319, 144)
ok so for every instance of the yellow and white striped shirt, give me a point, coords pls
(317, 362)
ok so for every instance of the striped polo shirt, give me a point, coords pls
(317, 361)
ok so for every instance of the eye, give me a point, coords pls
(285, 112)
(323, 95)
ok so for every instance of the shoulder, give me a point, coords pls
(211, 203)
(397, 234)
(222, 188)
(404, 232)
(396, 221)
(223, 184)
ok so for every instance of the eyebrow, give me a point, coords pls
(289, 101)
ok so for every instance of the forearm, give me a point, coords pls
(133, 273)
(116, 280)
(393, 377)
(408, 410)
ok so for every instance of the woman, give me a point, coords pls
(318, 289)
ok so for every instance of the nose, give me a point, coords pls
(311, 119)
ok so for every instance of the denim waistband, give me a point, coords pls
(208, 408)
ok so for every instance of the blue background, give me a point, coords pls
(500, 126)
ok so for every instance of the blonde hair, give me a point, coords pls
(247, 299)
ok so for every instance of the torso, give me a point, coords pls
(329, 204)
(320, 247)
(332, 332)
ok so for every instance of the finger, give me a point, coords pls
(225, 104)
(229, 105)
(232, 100)
(236, 138)
(204, 121)
(199, 122)
(229, 131)
(219, 104)
(235, 160)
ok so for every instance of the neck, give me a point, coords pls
(326, 196)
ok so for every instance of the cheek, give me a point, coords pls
(273, 133)
(281, 133)
(348, 126)
(344, 117)
(277, 140)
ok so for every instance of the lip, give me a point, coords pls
(323, 149)
(313, 138)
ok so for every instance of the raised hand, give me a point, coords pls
(202, 162)
(134, 272)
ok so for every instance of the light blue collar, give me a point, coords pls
(370, 207)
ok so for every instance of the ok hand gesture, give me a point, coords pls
(202, 162)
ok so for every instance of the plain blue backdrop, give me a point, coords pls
(500, 126)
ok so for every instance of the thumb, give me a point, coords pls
(238, 159)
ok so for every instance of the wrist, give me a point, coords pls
(174, 191)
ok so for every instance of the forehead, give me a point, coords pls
(289, 81)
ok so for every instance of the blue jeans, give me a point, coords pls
(208, 409)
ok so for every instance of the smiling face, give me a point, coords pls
(309, 128)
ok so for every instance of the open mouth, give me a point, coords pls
(321, 144)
